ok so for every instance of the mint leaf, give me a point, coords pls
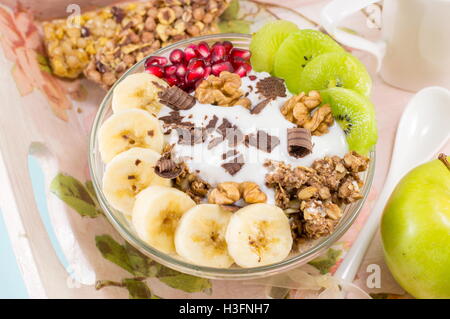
(181, 281)
(114, 252)
(231, 12)
(324, 263)
(74, 194)
(90, 189)
(234, 26)
(137, 289)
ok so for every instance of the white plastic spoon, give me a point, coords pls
(423, 129)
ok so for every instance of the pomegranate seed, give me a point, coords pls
(195, 63)
(194, 74)
(170, 69)
(172, 80)
(181, 71)
(155, 60)
(207, 72)
(241, 53)
(218, 53)
(220, 67)
(155, 70)
(242, 70)
(190, 52)
(176, 56)
(237, 61)
(203, 49)
(228, 46)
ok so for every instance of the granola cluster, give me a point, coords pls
(191, 184)
(223, 90)
(305, 111)
(104, 43)
(313, 196)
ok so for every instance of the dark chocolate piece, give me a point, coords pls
(166, 168)
(260, 106)
(234, 166)
(271, 87)
(176, 98)
(299, 142)
(262, 141)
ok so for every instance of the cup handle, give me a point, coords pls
(335, 12)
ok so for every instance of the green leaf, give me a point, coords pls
(137, 289)
(90, 189)
(234, 26)
(181, 281)
(74, 194)
(137, 264)
(324, 263)
(114, 252)
(141, 264)
(231, 12)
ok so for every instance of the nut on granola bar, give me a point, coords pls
(106, 42)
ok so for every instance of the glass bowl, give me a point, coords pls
(123, 225)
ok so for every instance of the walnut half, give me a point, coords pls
(223, 90)
(305, 111)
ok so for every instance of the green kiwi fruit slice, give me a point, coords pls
(266, 42)
(336, 69)
(356, 116)
(297, 50)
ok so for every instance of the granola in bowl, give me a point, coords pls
(235, 180)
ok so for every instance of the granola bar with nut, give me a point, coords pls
(105, 42)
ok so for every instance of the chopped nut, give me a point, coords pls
(251, 193)
(355, 162)
(105, 35)
(321, 190)
(190, 183)
(298, 110)
(307, 193)
(225, 193)
(223, 90)
(333, 211)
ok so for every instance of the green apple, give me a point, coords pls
(415, 230)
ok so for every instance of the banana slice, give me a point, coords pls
(138, 91)
(128, 129)
(127, 174)
(156, 213)
(200, 236)
(258, 235)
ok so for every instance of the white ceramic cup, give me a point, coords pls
(414, 51)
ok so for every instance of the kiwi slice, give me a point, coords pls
(356, 116)
(266, 42)
(336, 69)
(296, 51)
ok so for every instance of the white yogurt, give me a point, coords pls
(207, 162)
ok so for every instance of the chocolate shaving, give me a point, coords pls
(260, 106)
(174, 117)
(191, 135)
(212, 123)
(166, 168)
(262, 141)
(176, 98)
(299, 142)
(271, 87)
(230, 132)
(234, 166)
(214, 142)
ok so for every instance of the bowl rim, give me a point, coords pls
(203, 271)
